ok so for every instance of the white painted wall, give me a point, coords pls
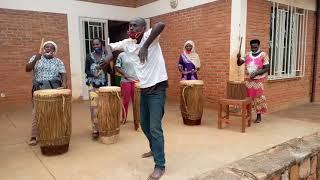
(163, 7)
(238, 30)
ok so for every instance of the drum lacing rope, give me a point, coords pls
(63, 111)
(63, 102)
(123, 109)
(184, 99)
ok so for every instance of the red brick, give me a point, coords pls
(208, 26)
(20, 38)
(288, 92)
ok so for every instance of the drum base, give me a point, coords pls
(190, 122)
(54, 150)
(109, 140)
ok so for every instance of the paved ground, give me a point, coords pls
(189, 150)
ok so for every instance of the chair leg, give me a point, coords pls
(220, 116)
(243, 118)
(227, 120)
(249, 114)
(227, 111)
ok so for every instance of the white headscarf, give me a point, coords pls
(192, 56)
(53, 43)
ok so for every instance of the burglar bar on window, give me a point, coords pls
(288, 35)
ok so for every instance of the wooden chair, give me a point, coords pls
(245, 106)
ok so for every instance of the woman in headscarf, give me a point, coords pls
(48, 73)
(96, 62)
(189, 62)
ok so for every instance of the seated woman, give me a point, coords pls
(189, 62)
(48, 73)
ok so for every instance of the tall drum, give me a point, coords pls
(191, 101)
(109, 114)
(136, 106)
(53, 117)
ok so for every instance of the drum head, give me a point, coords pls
(110, 89)
(52, 92)
(236, 82)
(191, 82)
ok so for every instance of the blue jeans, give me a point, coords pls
(152, 111)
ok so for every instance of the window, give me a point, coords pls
(288, 35)
(93, 29)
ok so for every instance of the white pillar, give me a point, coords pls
(238, 29)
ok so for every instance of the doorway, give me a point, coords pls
(108, 31)
(117, 32)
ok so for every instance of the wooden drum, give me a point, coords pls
(191, 101)
(109, 113)
(53, 117)
(136, 106)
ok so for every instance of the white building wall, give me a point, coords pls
(238, 30)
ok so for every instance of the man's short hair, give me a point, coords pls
(141, 21)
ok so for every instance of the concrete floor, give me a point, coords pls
(189, 150)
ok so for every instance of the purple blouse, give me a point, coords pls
(187, 66)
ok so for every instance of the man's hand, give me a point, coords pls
(103, 64)
(143, 54)
(126, 76)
